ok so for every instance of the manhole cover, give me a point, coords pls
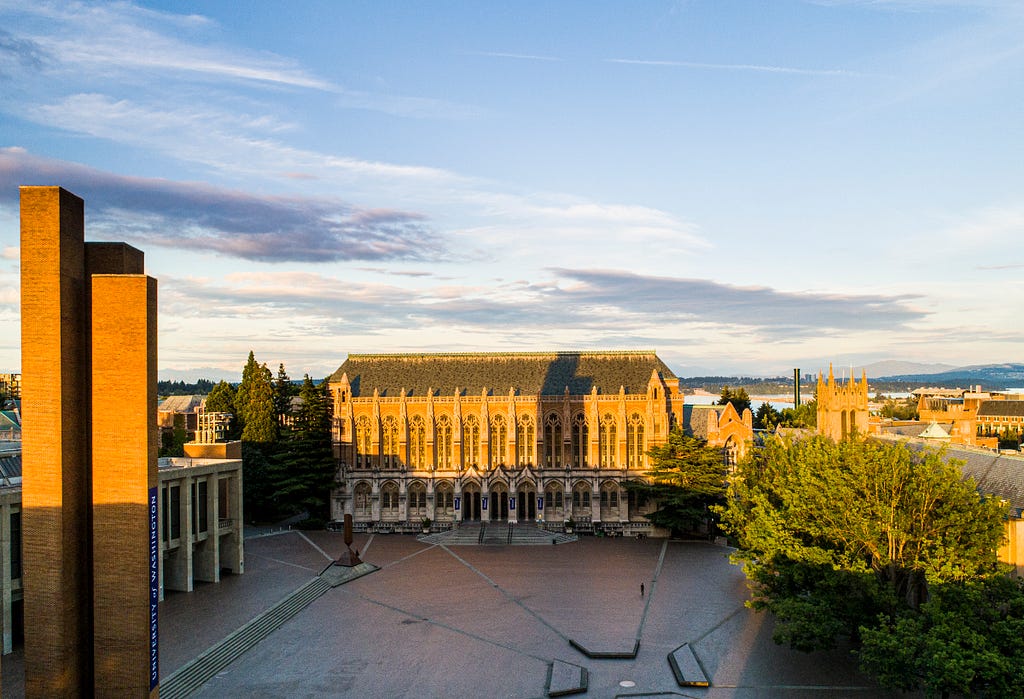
(627, 683)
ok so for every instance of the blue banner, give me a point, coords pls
(154, 591)
(458, 502)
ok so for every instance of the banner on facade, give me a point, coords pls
(154, 591)
(458, 502)
(540, 503)
(512, 504)
(483, 502)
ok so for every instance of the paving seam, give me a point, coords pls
(451, 628)
(508, 595)
(310, 542)
(265, 534)
(368, 542)
(403, 558)
(284, 563)
(654, 587)
(714, 628)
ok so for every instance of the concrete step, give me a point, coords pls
(498, 534)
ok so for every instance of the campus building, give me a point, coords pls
(499, 436)
(842, 406)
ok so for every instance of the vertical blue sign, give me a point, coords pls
(154, 591)
(458, 501)
(483, 503)
(540, 503)
(512, 504)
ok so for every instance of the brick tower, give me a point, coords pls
(88, 319)
(842, 407)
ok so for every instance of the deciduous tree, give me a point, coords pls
(832, 535)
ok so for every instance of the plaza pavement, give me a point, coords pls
(474, 621)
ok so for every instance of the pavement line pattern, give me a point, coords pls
(284, 563)
(507, 595)
(310, 542)
(654, 588)
(448, 627)
(404, 558)
(368, 542)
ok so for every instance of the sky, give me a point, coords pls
(743, 186)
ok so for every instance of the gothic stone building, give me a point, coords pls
(499, 436)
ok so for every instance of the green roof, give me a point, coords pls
(529, 373)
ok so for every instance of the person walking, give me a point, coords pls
(641, 589)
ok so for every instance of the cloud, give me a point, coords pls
(19, 52)
(776, 312)
(228, 222)
(757, 68)
(518, 56)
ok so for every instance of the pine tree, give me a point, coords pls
(283, 392)
(249, 372)
(307, 465)
(258, 416)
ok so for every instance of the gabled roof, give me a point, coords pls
(995, 474)
(1001, 408)
(180, 404)
(933, 431)
(529, 373)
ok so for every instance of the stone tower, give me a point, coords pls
(88, 332)
(842, 407)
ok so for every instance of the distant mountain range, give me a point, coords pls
(891, 367)
(991, 376)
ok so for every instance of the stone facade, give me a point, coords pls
(499, 436)
(842, 406)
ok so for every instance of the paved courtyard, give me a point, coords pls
(473, 621)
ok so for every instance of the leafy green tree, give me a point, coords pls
(221, 399)
(307, 465)
(899, 409)
(965, 640)
(766, 417)
(832, 535)
(739, 399)
(687, 476)
(803, 416)
(259, 421)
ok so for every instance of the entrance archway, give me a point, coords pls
(471, 502)
(499, 501)
(526, 502)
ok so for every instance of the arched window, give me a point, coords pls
(553, 500)
(635, 441)
(498, 441)
(524, 439)
(443, 442)
(417, 501)
(609, 499)
(417, 443)
(390, 442)
(389, 501)
(581, 499)
(580, 439)
(471, 441)
(553, 441)
(364, 441)
(363, 503)
(444, 500)
(606, 441)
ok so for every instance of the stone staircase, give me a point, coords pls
(497, 534)
(194, 674)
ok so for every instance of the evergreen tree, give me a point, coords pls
(687, 477)
(249, 373)
(307, 465)
(284, 389)
(766, 417)
(259, 421)
(739, 399)
(222, 400)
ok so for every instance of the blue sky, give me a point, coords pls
(742, 186)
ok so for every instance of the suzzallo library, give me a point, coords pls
(516, 437)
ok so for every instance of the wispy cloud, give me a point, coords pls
(753, 67)
(227, 222)
(518, 56)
